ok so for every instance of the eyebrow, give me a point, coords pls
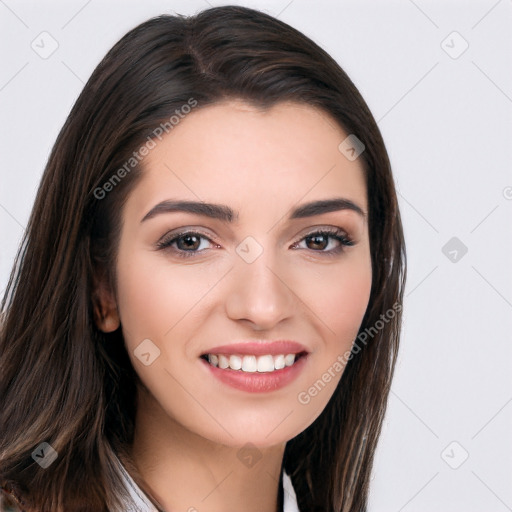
(226, 214)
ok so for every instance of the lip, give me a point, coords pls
(258, 348)
(255, 382)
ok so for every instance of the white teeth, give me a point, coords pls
(266, 364)
(235, 362)
(260, 364)
(249, 364)
(289, 359)
(279, 362)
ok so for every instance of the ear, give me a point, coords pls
(106, 316)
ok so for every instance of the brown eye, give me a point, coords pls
(318, 241)
(190, 242)
(184, 244)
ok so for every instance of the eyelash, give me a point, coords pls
(337, 234)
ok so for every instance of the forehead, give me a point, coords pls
(237, 154)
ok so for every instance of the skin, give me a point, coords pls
(189, 425)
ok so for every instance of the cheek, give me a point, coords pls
(140, 300)
(339, 295)
(350, 300)
(338, 298)
(154, 296)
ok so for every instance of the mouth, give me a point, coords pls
(252, 363)
(256, 366)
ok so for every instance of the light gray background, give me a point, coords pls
(446, 119)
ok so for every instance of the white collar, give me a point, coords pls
(142, 503)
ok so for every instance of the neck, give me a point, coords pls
(186, 471)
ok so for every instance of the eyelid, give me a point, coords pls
(308, 231)
(324, 227)
(169, 235)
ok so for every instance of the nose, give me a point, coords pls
(259, 294)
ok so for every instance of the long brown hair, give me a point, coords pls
(65, 382)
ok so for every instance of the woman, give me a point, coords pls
(204, 313)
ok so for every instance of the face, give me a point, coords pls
(190, 283)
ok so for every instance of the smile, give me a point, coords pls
(255, 374)
(252, 363)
